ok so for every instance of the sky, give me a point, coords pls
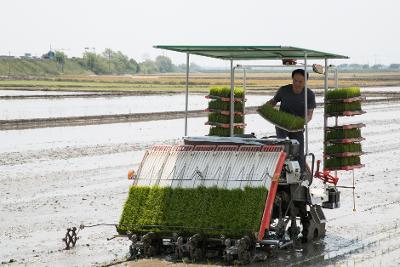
(368, 31)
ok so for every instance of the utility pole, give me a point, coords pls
(109, 59)
(9, 64)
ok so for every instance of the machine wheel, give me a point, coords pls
(195, 247)
(151, 244)
(312, 230)
(245, 250)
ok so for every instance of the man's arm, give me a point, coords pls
(309, 114)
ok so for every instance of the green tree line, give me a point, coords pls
(115, 62)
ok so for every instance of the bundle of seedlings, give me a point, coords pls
(342, 148)
(343, 93)
(224, 105)
(225, 91)
(280, 118)
(341, 107)
(219, 131)
(333, 163)
(187, 211)
(216, 117)
(343, 134)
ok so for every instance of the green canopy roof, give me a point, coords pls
(249, 52)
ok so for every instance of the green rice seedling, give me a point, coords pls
(216, 117)
(343, 134)
(223, 105)
(225, 91)
(341, 162)
(219, 131)
(341, 107)
(342, 148)
(343, 93)
(283, 119)
(210, 211)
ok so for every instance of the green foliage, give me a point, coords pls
(216, 117)
(224, 105)
(219, 131)
(341, 107)
(164, 64)
(343, 134)
(343, 93)
(210, 211)
(341, 148)
(340, 162)
(118, 63)
(281, 118)
(148, 66)
(39, 67)
(225, 91)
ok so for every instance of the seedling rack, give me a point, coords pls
(220, 117)
(344, 98)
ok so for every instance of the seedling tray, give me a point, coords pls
(225, 125)
(210, 211)
(225, 99)
(344, 154)
(345, 168)
(223, 112)
(346, 113)
(346, 127)
(281, 119)
(345, 140)
(283, 128)
(345, 100)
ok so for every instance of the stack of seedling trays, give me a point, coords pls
(219, 111)
(283, 120)
(342, 142)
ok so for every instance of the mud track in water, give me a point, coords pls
(15, 124)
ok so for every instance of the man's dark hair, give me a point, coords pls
(299, 71)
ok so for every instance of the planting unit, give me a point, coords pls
(234, 196)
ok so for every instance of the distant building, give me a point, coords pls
(27, 56)
(49, 55)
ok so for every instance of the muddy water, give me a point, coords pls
(11, 109)
(54, 178)
(36, 92)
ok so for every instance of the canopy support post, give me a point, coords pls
(325, 116)
(232, 108)
(306, 103)
(187, 93)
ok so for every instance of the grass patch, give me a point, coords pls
(223, 105)
(281, 118)
(343, 93)
(341, 107)
(343, 134)
(340, 162)
(225, 91)
(210, 211)
(218, 131)
(342, 148)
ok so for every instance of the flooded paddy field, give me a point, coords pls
(58, 177)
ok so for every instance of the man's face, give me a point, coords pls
(298, 83)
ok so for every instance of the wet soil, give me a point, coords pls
(55, 178)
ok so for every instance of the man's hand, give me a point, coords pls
(272, 102)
